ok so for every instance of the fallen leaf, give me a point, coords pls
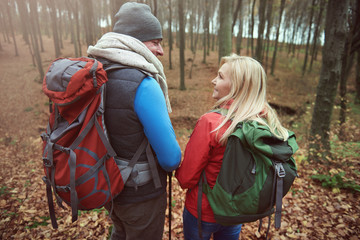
(330, 209)
(291, 235)
(2, 203)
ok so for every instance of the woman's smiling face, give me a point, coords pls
(222, 82)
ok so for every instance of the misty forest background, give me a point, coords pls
(310, 50)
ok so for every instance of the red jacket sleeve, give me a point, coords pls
(196, 155)
(197, 152)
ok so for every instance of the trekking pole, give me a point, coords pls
(170, 176)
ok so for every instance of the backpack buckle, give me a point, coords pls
(47, 162)
(46, 180)
(280, 171)
(63, 189)
(44, 136)
(100, 110)
(65, 150)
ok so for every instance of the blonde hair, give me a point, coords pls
(248, 92)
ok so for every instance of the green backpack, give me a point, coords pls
(257, 171)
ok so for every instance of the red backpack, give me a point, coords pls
(78, 158)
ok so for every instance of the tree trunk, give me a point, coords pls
(33, 9)
(3, 22)
(24, 19)
(282, 5)
(252, 28)
(333, 51)
(88, 15)
(44, 18)
(225, 43)
(67, 18)
(170, 37)
(248, 31)
(206, 32)
(347, 63)
(240, 30)
(38, 29)
(356, 48)
(356, 26)
(309, 37)
(52, 8)
(182, 43)
(196, 40)
(261, 27)
(210, 15)
(192, 24)
(155, 8)
(8, 9)
(235, 15)
(357, 78)
(215, 27)
(60, 26)
(316, 34)
(297, 25)
(77, 23)
(284, 34)
(72, 27)
(27, 25)
(108, 16)
(269, 25)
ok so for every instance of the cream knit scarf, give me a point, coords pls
(129, 51)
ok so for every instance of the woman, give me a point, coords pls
(240, 91)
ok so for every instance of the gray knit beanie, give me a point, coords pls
(136, 20)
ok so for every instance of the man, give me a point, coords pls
(136, 108)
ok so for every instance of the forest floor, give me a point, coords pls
(309, 210)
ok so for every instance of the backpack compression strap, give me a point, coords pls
(280, 174)
(199, 202)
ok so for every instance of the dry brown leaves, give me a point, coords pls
(309, 211)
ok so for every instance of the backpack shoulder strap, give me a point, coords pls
(221, 111)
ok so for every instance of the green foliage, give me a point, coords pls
(300, 158)
(7, 213)
(355, 108)
(110, 231)
(40, 221)
(27, 184)
(336, 180)
(13, 142)
(28, 109)
(4, 190)
(96, 210)
(344, 149)
(294, 192)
